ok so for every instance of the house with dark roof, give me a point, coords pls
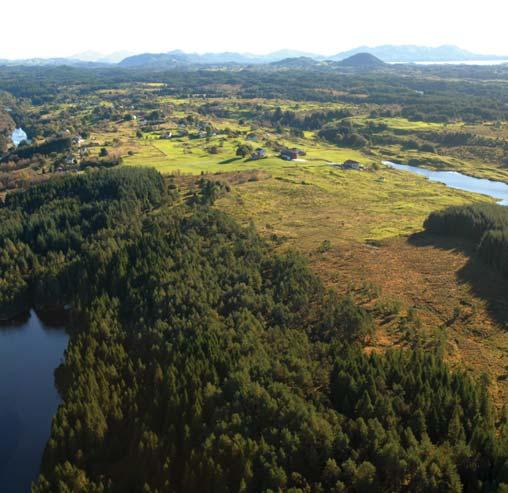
(351, 164)
(300, 152)
(289, 154)
(259, 153)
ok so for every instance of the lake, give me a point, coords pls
(18, 136)
(29, 354)
(496, 189)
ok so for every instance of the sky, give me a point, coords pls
(51, 28)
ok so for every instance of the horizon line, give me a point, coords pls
(242, 53)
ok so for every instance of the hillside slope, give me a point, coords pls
(362, 60)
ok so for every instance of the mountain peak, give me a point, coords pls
(362, 60)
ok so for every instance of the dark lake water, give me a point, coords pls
(29, 354)
(496, 189)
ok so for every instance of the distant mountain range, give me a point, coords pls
(55, 62)
(178, 58)
(93, 56)
(87, 58)
(413, 53)
(386, 53)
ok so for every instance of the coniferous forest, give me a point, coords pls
(486, 225)
(201, 361)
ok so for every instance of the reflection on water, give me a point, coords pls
(29, 353)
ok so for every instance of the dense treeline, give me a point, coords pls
(343, 133)
(455, 139)
(485, 224)
(53, 145)
(201, 362)
(43, 229)
(309, 121)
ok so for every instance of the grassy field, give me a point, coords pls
(337, 205)
(402, 123)
(186, 155)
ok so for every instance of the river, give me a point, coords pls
(495, 189)
(29, 354)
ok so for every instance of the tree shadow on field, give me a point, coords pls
(485, 283)
(230, 160)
